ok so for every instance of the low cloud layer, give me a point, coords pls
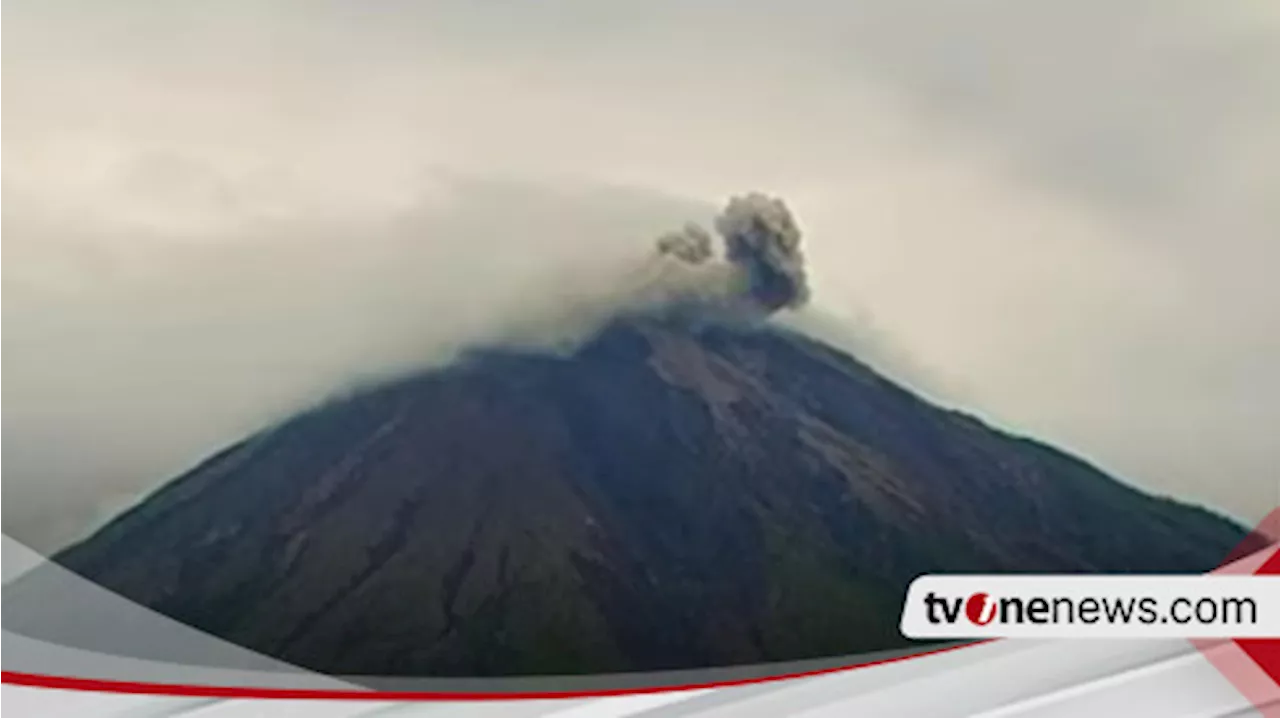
(130, 355)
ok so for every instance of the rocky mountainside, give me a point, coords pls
(672, 494)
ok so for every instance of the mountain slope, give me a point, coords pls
(671, 495)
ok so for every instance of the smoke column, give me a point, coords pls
(762, 269)
(691, 244)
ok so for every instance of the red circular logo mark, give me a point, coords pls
(980, 609)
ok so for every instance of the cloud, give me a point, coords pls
(132, 354)
(1063, 214)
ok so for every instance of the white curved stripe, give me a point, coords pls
(1186, 668)
(621, 706)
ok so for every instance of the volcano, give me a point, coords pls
(671, 494)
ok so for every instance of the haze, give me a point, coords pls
(1061, 218)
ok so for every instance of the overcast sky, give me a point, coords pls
(1063, 216)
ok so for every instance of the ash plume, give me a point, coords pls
(762, 238)
(690, 244)
(761, 269)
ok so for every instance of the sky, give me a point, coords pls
(1061, 217)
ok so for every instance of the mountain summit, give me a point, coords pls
(674, 493)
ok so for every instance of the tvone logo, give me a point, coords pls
(980, 609)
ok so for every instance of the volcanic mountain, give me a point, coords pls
(673, 493)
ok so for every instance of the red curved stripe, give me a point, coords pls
(195, 691)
